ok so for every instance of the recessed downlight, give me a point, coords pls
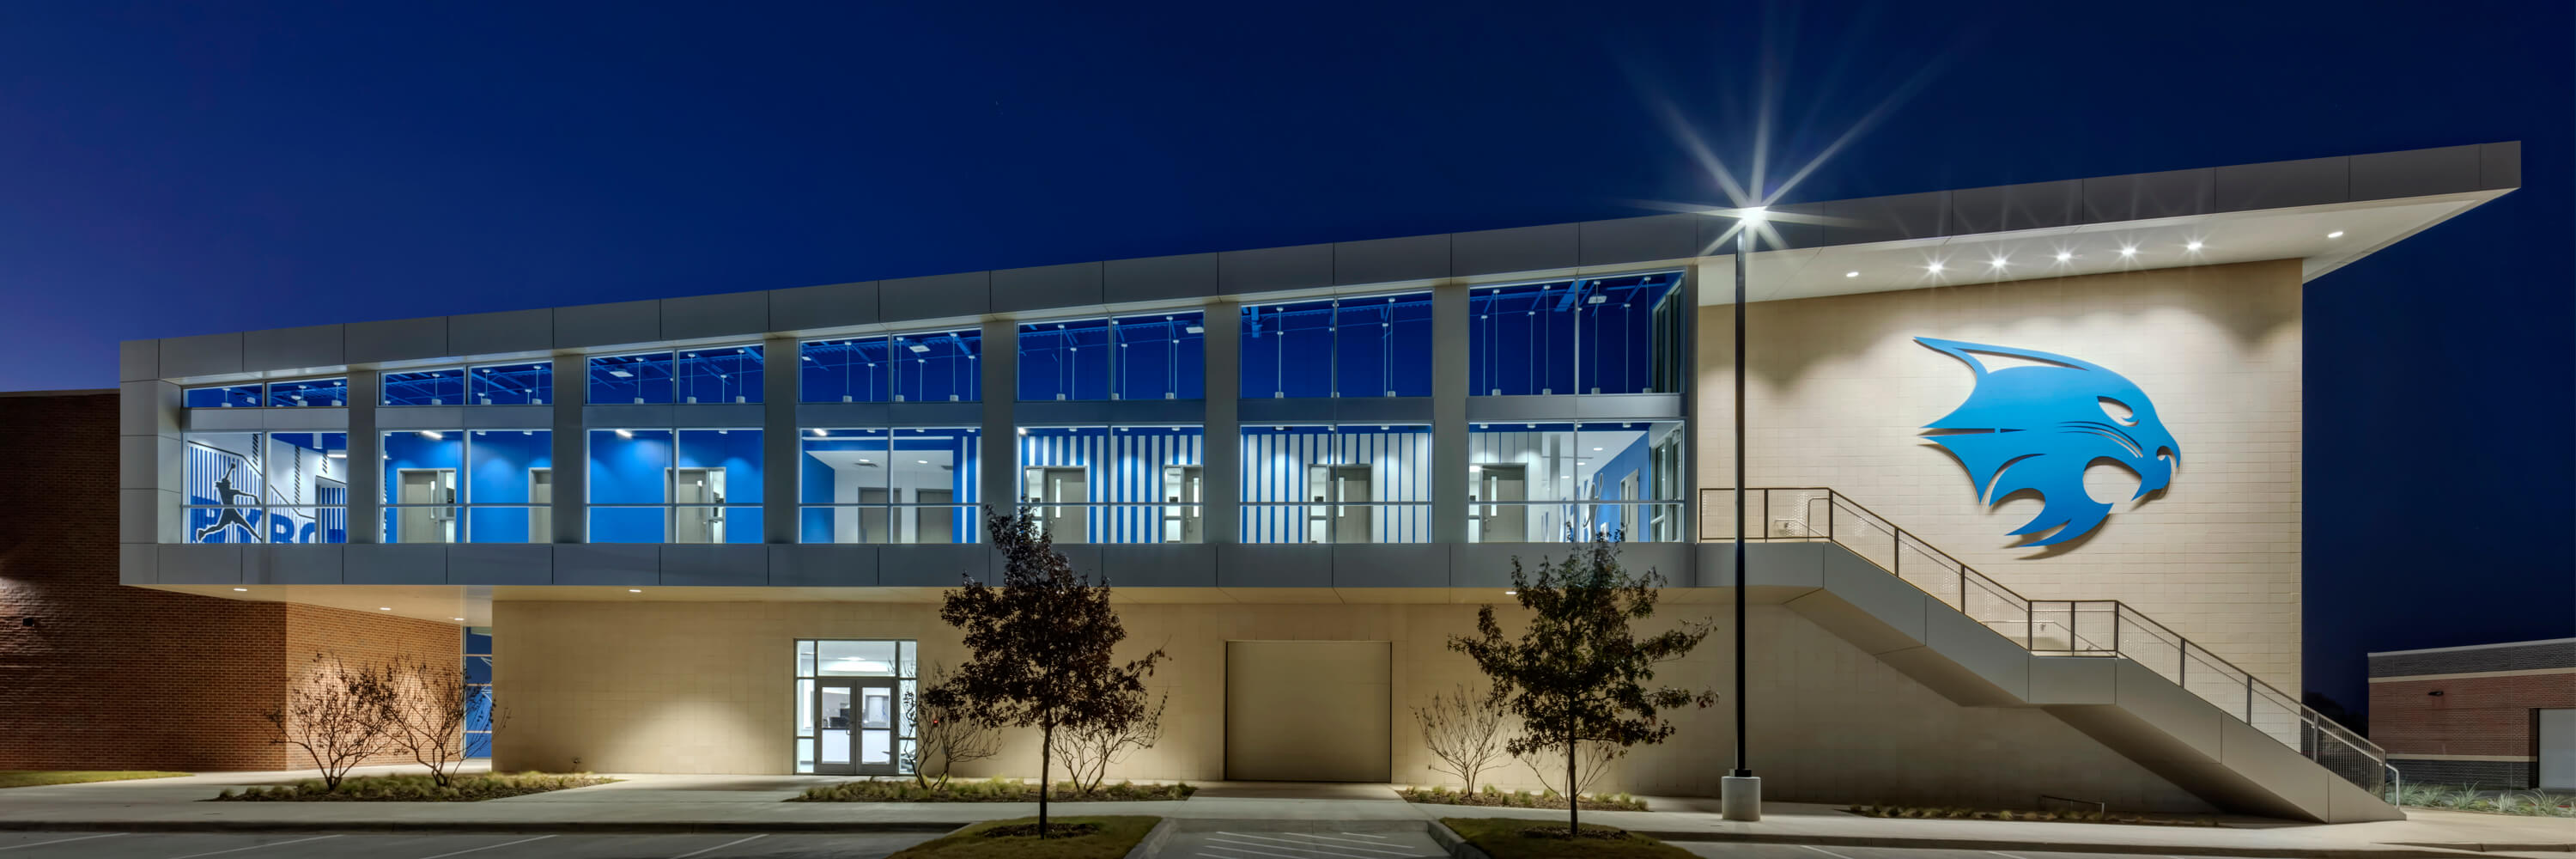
(1933, 267)
(1851, 274)
(2192, 245)
(241, 590)
(634, 590)
(2335, 235)
(385, 608)
(2063, 256)
(2128, 250)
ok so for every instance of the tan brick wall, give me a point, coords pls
(1838, 393)
(114, 677)
(706, 687)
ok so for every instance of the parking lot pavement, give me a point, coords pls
(192, 845)
(1300, 845)
(1722, 850)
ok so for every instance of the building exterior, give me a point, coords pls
(708, 534)
(2491, 715)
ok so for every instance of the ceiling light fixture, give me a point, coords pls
(241, 590)
(2063, 256)
(625, 434)
(634, 590)
(1933, 267)
(1999, 262)
(2128, 250)
(1851, 274)
(2192, 245)
(2335, 235)
(385, 608)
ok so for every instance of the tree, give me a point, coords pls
(1579, 674)
(941, 731)
(1596, 758)
(426, 708)
(1464, 731)
(1090, 749)
(1042, 646)
(336, 714)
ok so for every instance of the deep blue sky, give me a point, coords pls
(184, 169)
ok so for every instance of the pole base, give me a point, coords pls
(1740, 797)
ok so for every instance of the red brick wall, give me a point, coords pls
(113, 677)
(2472, 716)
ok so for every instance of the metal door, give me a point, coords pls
(541, 517)
(934, 524)
(1060, 494)
(1182, 490)
(855, 726)
(1498, 522)
(426, 524)
(703, 486)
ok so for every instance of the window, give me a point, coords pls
(479, 486)
(445, 387)
(848, 370)
(1364, 346)
(251, 487)
(675, 486)
(939, 367)
(223, 397)
(527, 384)
(1345, 484)
(640, 378)
(478, 698)
(853, 706)
(1161, 356)
(1129, 484)
(308, 392)
(908, 485)
(1598, 336)
(720, 375)
(1539, 483)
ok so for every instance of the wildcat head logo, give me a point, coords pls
(2036, 428)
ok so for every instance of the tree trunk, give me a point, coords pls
(1046, 753)
(1573, 794)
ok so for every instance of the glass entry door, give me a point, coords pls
(855, 726)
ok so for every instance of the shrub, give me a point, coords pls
(1916, 812)
(1493, 797)
(414, 788)
(995, 789)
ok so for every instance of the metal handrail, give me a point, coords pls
(2315, 733)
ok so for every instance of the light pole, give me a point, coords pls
(1740, 792)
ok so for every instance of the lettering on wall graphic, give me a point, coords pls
(2034, 427)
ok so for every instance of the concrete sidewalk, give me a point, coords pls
(709, 803)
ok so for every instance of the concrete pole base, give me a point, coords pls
(1740, 797)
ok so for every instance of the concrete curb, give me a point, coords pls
(1153, 840)
(571, 827)
(1458, 847)
(2393, 851)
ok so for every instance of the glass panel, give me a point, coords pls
(1382, 346)
(1333, 484)
(640, 378)
(630, 467)
(629, 524)
(1519, 477)
(804, 659)
(307, 487)
(834, 718)
(421, 477)
(225, 474)
(805, 755)
(503, 525)
(1520, 340)
(690, 523)
(849, 370)
(876, 707)
(936, 473)
(529, 384)
(1161, 357)
(225, 397)
(510, 467)
(1622, 347)
(1288, 350)
(907, 759)
(1064, 360)
(876, 748)
(726, 374)
(804, 708)
(309, 392)
(939, 367)
(444, 387)
(857, 659)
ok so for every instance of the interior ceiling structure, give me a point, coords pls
(2307, 233)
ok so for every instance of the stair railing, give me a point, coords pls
(2058, 627)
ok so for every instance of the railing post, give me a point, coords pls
(2249, 698)
(1829, 515)
(1963, 592)
(2030, 624)
(2115, 627)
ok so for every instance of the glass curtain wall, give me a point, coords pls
(257, 487)
(900, 485)
(714, 374)
(828, 723)
(1148, 357)
(479, 486)
(1361, 346)
(675, 486)
(1127, 484)
(1618, 335)
(1542, 482)
(1336, 484)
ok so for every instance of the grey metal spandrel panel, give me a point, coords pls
(502, 332)
(629, 416)
(1391, 565)
(202, 355)
(2007, 208)
(138, 360)
(823, 565)
(2140, 196)
(1305, 410)
(1631, 240)
(1886, 219)
(1552, 246)
(1383, 410)
(1274, 565)
(1627, 406)
(508, 417)
(2500, 165)
(319, 564)
(1047, 287)
(200, 564)
(1391, 260)
(1160, 565)
(835, 305)
(613, 324)
(939, 296)
(312, 346)
(633, 565)
(941, 565)
(839, 415)
(2282, 184)
(395, 564)
(501, 564)
(1489, 565)
(745, 565)
(1159, 278)
(960, 414)
(138, 563)
(397, 340)
(1272, 269)
(732, 314)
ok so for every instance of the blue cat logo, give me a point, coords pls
(2035, 429)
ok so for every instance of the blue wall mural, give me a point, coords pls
(2036, 428)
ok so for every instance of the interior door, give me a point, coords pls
(1060, 493)
(1182, 489)
(541, 517)
(1497, 522)
(427, 524)
(934, 524)
(855, 726)
(702, 486)
(1351, 490)
(872, 519)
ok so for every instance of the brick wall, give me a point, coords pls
(114, 677)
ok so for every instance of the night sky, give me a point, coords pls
(175, 170)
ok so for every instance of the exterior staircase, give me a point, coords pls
(2101, 666)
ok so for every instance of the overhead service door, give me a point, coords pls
(1309, 711)
(2558, 749)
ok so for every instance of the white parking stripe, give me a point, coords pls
(719, 846)
(255, 847)
(1366, 835)
(1365, 845)
(1299, 842)
(1252, 851)
(487, 847)
(1824, 851)
(62, 840)
(2003, 854)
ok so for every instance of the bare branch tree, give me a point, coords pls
(1464, 731)
(942, 731)
(336, 715)
(1090, 749)
(1594, 761)
(425, 714)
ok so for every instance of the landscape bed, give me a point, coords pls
(415, 788)
(1493, 797)
(1107, 838)
(996, 789)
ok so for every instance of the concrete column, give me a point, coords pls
(572, 450)
(1449, 413)
(1222, 461)
(1687, 355)
(366, 459)
(1001, 455)
(781, 360)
